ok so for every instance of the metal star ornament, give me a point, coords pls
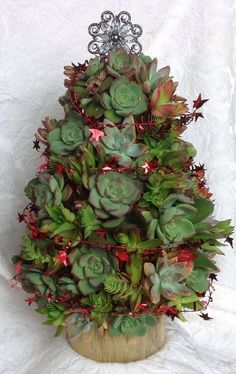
(114, 32)
(36, 145)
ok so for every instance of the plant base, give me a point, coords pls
(122, 348)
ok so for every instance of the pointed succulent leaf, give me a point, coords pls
(204, 262)
(204, 209)
(198, 280)
(85, 287)
(149, 269)
(49, 282)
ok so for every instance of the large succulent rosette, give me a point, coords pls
(112, 195)
(119, 227)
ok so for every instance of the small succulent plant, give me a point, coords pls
(61, 222)
(198, 280)
(66, 138)
(101, 305)
(113, 194)
(90, 266)
(66, 285)
(120, 63)
(48, 190)
(121, 143)
(147, 76)
(56, 315)
(179, 221)
(132, 325)
(164, 105)
(48, 125)
(172, 151)
(125, 98)
(36, 280)
(165, 280)
(79, 323)
(94, 67)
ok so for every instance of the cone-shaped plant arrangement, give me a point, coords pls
(120, 222)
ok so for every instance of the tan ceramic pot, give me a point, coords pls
(122, 348)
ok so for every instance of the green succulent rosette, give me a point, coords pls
(121, 142)
(113, 194)
(166, 280)
(90, 266)
(79, 323)
(126, 97)
(198, 280)
(101, 304)
(132, 325)
(94, 67)
(48, 190)
(120, 63)
(66, 138)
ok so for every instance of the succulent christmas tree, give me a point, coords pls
(120, 225)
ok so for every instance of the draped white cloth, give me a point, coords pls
(37, 38)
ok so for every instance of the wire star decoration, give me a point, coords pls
(114, 32)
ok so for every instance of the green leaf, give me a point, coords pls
(64, 227)
(106, 101)
(94, 110)
(54, 213)
(49, 227)
(150, 320)
(211, 248)
(52, 183)
(152, 243)
(202, 261)
(198, 280)
(136, 263)
(204, 209)
(223, 228)
(152, 74)
(113, 222)
(89, 221)
(69, 216)
(182, 300)
(49, 282)
(60, 329)
(29, 189)
(182, 318)
(119, 287)
(112, 116)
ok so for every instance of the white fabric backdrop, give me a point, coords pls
(37, 38)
